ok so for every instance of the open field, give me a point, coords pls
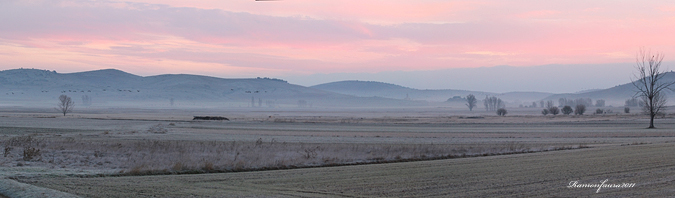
(120, 143)
(522, 175)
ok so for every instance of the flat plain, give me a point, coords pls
(335, 153)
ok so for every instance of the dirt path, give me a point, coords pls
(650, 166)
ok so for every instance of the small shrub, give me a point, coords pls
(310, 153)
(137, 170)
(501, 112)
(208, 166)
(626, 110)
(567, 110)
(544, 112)
(599, 111)
(8, 149)
(30, 153)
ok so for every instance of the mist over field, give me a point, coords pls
(558, 78)
(115, 88)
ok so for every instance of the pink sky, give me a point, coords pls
(244, 38)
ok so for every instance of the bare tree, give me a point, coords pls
(493, 103)
(549, 104)
(554, 110)
(65, 104)
(633, 102)
(649, 83)
(86, 100)
(600, 103)
(580, 109)
(563, 102)
(583, 101)
(471, 101)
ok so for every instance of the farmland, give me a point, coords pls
(407, 152)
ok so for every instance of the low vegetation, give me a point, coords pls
(554, 110)
(580, 109)
(567, 110)
(501, 112)
(134, 157)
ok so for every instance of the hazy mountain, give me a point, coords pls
(555, 78)
(387, 90)
(616, 95)
(114, 88)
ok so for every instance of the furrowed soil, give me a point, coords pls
(650, 166)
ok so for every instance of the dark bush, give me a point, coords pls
(209, 118)
(501, 112)
(30, 153)
(599, 111)
(567, 110)
(580, 109)
(554, 110)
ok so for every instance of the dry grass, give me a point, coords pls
(137, 157)
(531, 175)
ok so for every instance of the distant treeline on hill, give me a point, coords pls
(274, 79)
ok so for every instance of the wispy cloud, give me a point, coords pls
(238, 38)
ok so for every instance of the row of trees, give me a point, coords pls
(634, 102)
(491, 103)
(578, 109)
(579, 101)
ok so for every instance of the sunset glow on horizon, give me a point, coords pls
(301, 37)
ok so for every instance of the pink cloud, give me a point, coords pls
(538, 14)
(329, 36)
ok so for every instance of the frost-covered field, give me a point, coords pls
(138, 142)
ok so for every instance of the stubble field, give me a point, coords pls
(137, 153)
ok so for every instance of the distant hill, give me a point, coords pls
(386, 90)
(113, 88)
(616, 95)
